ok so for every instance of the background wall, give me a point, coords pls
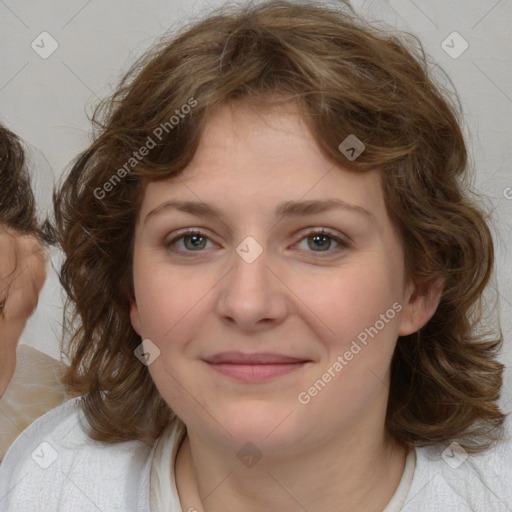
(59, 57)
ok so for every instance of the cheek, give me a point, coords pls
(166, 300)
(361, 309)
(350, 300)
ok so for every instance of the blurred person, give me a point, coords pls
(29, 379)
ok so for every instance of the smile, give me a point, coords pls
(256, 372)
(255, 367)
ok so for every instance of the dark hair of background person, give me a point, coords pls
(18, 210)
(17, 205)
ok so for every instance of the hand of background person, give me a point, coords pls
(23, 261)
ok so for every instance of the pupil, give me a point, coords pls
(196, 240)
(321, 239)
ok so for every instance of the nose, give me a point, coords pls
(252, 296)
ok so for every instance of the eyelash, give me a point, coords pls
(342, 244)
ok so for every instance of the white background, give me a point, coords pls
(47, 101)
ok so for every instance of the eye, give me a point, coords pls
(193, 241)
(316, 241)
(322, 241)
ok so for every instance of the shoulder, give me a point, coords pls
(449, 478)
(53, 465)
(34, 389)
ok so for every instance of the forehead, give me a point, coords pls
(261, 157)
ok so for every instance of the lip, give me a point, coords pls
(256, 367)
(257, 358)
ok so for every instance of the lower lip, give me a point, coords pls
(256, 372)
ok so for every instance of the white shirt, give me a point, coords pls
(54, 466)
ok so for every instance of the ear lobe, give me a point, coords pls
(421, 306)
(134, 317)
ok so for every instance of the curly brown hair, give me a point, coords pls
(348, 77)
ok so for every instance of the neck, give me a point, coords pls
(344, 474)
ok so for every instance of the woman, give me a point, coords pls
(276, 271)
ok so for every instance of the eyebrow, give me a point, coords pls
(284, 209)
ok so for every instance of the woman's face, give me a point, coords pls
(262, 329)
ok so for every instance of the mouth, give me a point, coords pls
(254, 367)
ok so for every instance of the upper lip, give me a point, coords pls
(255, 358)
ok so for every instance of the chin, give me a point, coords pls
(268, 427)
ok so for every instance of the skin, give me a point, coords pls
(22, 275)
(334, 453)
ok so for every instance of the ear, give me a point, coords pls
(420, 306)
(134, 317)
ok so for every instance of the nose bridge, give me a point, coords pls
(251, 293)
(249, 278)
(250, 264)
